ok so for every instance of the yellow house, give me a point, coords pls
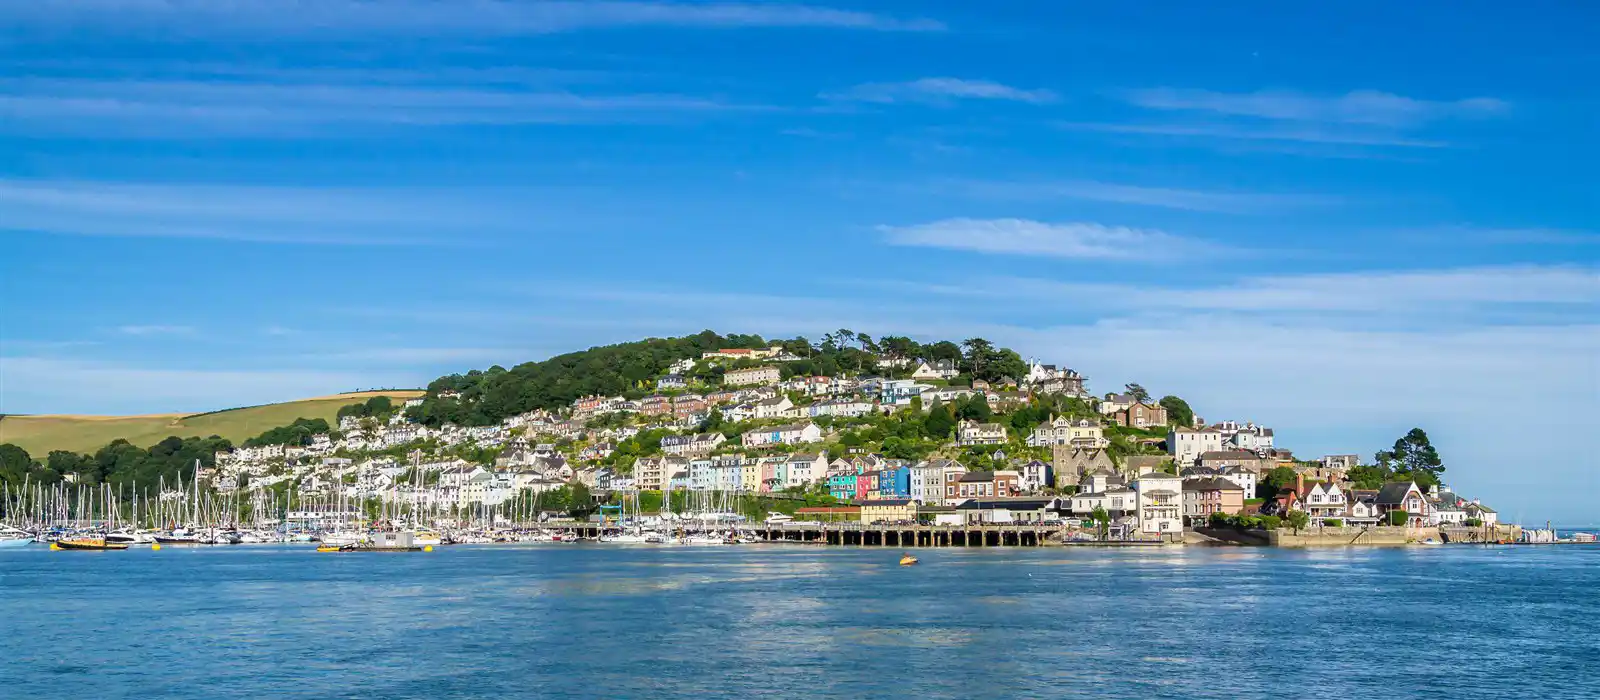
(888, 510)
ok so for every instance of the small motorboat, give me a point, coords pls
(907, 560)
(12, 537)
(335, 547)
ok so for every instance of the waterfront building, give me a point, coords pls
(888, 510)
(1207, 495)
(1010, 511)
(1160, 503)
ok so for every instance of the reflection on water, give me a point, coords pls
(582, 621)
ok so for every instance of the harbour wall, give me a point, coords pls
(1351, 536)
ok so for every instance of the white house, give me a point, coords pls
(805, 469)
(1324, 500)
(937, 369)
(1082, 433)
(1187, 444)
(972, 433)
(1160, 503)
(1116, 403)
(844, 408)
(1245, 478)
(752, 376)
(777, 407)
(795, 434)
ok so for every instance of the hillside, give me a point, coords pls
(41, 434)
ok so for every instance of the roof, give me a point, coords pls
(976, 477)
(1229, 454)
(886, 502)
(1394, 493)
(1210, 484)
(1006, 503)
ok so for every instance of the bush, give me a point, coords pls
(1270, 522)
(1473, 522)
(1333, 522)
(1398, 517)
(1220, 520)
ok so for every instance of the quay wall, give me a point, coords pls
(1351, 536)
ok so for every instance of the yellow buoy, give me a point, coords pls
(428, 548)
(55, 547)
(155, 547)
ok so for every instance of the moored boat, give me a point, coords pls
(87, 543)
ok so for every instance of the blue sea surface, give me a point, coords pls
(583, 620)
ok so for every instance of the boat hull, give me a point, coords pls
(87, 545)
(13, 544)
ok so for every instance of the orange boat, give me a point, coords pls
(87, 543)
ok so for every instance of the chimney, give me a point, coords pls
(1299, 483)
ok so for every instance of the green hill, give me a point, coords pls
(85, 434)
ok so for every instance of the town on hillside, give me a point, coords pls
(975, 436)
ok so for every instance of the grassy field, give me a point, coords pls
(41, 434)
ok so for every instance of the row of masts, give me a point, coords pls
(34, 506)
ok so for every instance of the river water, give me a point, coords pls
(583, 620)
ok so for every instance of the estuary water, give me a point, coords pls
(566, 620)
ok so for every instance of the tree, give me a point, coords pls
(1102, 520)
(1005, 363)
(1297, 519)
(1276, 481)
(15, 463)
(974, 407)
(978, 354)
(939, 422)
(1398, 517)
(942, 350)
(1414, 454)
(1137, 392)
(1368, 477)
(581, 503)
(1219, 519)
(1178, 411)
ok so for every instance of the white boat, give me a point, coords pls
(641, 537)
(131, 537)
(11, 538)
(340, 539)
(427, 538)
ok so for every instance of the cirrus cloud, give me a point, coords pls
(1027, 237)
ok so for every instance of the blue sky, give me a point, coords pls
(1339, 221)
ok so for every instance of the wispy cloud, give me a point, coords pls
(1360, 118)
(1266, 132)
(1467, 295)
(189, 18)
(941, 91)
(52, 385)
(154, 330)
(195, 108)
(1162, 197)
(1367, 107)
(243, 213)
(1026, 237)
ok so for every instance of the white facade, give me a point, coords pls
(752, 376)
(1160, 503)
(1187, 444)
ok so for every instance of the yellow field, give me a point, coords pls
(41, 434)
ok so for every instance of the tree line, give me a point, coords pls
(487, 397)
